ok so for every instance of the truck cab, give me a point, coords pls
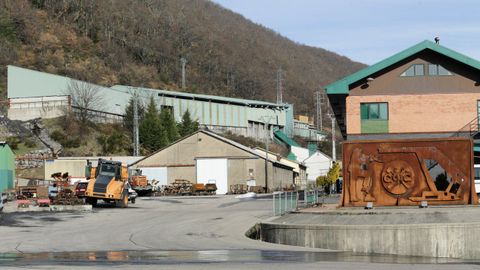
(108, 183)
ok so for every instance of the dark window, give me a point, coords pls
(414, 70)
(374, 111)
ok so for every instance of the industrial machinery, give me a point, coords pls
(408, 172)
(140, 183)
(107, 182)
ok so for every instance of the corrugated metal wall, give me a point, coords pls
(7, 167)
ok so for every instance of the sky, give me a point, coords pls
(368, 31)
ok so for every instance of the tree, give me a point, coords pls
(187, 126)
(332, 176)
(169, 125)
(152, 134)
(128, 119)
(86, 98)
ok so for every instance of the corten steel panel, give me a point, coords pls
(396, 172)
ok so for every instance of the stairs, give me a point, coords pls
(470, 130)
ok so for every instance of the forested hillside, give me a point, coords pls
(141, 42)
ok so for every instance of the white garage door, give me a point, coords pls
(157, 173)
(213, 169)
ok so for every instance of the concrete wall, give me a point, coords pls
(418, 113)
(461, 240)
(75, 168)
(45, 107)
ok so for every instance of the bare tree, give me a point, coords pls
(86, 99)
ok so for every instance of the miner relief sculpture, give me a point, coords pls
(406, 172)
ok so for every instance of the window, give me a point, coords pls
(438, 70)
(374, 111)
(414, 70)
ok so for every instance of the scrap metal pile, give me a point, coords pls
(408, 172)
(65, 195)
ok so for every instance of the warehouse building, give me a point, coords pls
(205, 156)
(7, 167)
(47, 95)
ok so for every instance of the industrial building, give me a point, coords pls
(47, 95)
(7, 167)
(205, 157)
(424, 91)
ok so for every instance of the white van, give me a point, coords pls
(476, 174)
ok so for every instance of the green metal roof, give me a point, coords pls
(342, 86)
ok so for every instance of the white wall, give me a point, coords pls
(317, 165)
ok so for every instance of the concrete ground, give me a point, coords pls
(186, 232)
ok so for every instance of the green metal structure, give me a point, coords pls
(7, 167)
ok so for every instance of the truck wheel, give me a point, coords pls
(123, 202)
(133, 201)
(92, 201)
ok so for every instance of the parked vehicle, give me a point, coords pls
(80, 189)
(132, 194)
(108, 183)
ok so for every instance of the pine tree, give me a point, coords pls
(169, 125)
(187, 126)
(128, 119)
(153, 136)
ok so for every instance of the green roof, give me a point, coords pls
(342, 86)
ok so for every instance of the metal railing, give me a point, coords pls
(284, 202)
(469, 130)
(289, 201)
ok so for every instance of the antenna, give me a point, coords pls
(279, 86)
(136, 140)
(319, 100)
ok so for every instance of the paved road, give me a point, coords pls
(169, 233)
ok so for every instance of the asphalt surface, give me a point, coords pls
(172, 233)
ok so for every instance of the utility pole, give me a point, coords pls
(334, 151)
(183, 61)
(318, 102)
(136, 141)
(279, 86)
(266, 120)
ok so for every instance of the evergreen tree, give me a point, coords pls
(169, 125)
(153, 136)
(187, 126)
(128, 119)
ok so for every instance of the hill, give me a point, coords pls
(140, 43)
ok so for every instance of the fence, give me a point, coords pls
(284, 202)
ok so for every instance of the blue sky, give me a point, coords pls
(368, 30)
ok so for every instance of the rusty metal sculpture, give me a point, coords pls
(407, 172)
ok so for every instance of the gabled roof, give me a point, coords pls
(223, 139)
(342, 86)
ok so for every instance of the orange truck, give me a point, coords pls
(140, 183)
(108, 182)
